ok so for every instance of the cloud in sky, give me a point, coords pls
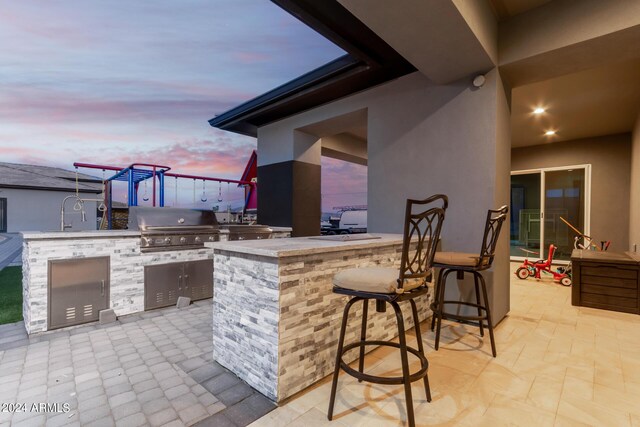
(122, 81)
(222, 157)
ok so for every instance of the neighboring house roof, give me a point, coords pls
(34, 177)
(370, 61)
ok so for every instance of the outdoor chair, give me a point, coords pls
(391, 286)
(462, 263)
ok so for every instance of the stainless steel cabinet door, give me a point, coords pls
(78, 290)
(163, 284)
(199, 279)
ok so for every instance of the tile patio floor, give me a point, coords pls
(150, 369)
(557, 365)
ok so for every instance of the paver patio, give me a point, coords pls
(10, 249)
(153, 368)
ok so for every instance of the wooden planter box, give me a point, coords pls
(606, 280)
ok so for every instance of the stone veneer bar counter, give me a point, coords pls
(275, 319)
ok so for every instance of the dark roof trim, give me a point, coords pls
(315, 77)
(369, 62)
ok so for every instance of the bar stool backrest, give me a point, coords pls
(495, 219)
(425, 226)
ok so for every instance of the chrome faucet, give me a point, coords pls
(78, 206)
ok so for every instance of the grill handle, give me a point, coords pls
(180, 282)
(102, 287)
(179, 227)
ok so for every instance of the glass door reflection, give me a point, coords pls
(525, 215)
(564, 196)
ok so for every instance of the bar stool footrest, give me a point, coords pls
(451, 316)
(383, 380)
(454, 316)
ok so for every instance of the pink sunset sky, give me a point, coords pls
(123, 82)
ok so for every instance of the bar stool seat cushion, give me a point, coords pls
(456, 258)
(379, 280)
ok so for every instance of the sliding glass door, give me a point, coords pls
(540, 201)
(564, 197)
(525, 214)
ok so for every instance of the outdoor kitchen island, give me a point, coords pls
(275, 319)
(111, 267)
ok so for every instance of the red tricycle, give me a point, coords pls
(533, 269)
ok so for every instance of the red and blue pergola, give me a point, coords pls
(136, 173)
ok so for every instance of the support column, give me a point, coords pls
(289, 181)
(161, 182)
(109, 202)
(452, 139)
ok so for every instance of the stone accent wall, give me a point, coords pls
(245, 318)
(126, 274)
(277, 321)
(311, 315)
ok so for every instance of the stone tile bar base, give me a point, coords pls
(127, 264)
(276, 320)
(126, 275)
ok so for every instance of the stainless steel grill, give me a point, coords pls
(171, 229)
(247, 232)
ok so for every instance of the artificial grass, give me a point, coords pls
(10, 295)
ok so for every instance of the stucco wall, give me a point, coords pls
(610, 179)
(39, 210)
(502, 193)
(634, 210)
(425, 139)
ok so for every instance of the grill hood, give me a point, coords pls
(143, 218)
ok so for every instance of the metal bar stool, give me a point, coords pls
(461, 263)
(391, 286)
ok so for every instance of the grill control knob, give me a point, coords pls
(211, 238)
(197, 239)
(183, 240)
(167, 240)
(146, 241)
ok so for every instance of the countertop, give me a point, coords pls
(89, 234)
(280, 229)
(294, 246)
(616, 257)
(104, 234)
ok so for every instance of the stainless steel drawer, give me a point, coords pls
(78, 290)
(164, 283)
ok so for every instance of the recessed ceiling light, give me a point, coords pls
(539, 110)
(550, 132)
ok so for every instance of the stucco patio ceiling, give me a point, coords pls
(595, 102)
(505, 9)
(433, 35)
